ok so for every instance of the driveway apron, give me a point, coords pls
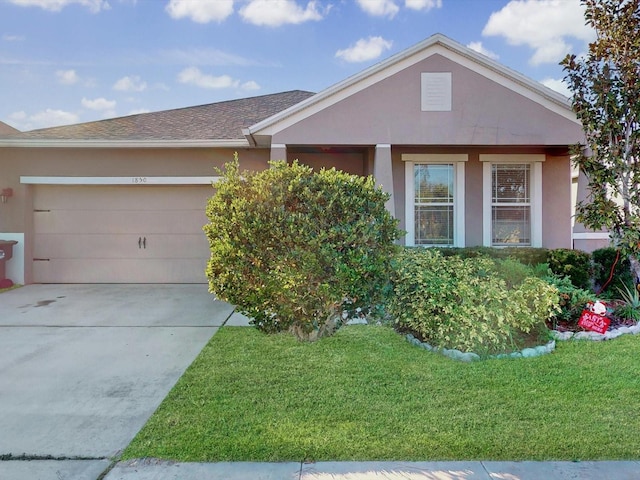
(82, 367)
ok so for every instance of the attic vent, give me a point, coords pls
(436, 91)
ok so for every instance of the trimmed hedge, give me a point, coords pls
(574, 264)
(603, 260)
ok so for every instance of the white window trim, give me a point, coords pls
(535, 160)
(458, 160)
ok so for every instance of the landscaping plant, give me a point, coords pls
(466, 304)
(293, 248)
(630, 307)
(574, 264)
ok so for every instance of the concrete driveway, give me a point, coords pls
(82, 368)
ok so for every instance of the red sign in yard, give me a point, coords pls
(593, 321)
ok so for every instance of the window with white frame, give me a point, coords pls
(434, 199)
(510, 204)
(512, 186)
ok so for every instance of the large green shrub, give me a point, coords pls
(459, 303)
(574, 264)
(292, 248)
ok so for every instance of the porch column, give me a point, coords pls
(383, 173)
(278, 151)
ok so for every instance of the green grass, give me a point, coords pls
(367, 394)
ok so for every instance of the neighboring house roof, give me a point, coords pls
(213, 122)
(7, 129)
(436, 44)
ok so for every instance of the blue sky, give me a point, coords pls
(71, 61)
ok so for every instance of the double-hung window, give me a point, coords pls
(435, 199)
(512, 186)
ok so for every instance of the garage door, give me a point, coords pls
(120, 234)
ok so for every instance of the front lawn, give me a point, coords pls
(367, 394)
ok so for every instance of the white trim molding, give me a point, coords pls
(133, 180)
(591, 236)
(458, 161)
(535, 160)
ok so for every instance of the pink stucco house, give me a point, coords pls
(472, 153)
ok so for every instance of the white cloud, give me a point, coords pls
(44, 119)
(193, 76)
(543, 25)
(380, 8)
(56, 5)
(205, 56)
(423, 4)
(273, 13)
(250, 85)
(67, 77)
(478, 47)
(99, 104)
(558, 85)
(12, 38)
(200, 11)
(364, 49)
(130, 84)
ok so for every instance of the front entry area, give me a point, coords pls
(120, 233)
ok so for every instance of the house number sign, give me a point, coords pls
(138, 180)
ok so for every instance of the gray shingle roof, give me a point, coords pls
(215, 121)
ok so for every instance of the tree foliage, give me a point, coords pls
(606, 98)
(293, 248)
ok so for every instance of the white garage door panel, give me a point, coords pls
(120, 234)
(119, 246)
(111, 271)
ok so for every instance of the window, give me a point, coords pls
(435, 199)
(510, 204)
(512, 186)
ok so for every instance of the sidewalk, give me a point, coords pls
(156, 470)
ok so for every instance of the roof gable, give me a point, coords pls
(435, 45)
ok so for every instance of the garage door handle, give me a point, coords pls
(144, 242)
(139, 242)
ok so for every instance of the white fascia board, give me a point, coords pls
(46, 143)
(132, 180)
(436, 44)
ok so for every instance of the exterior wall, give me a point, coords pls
(483, 113)
(16, 216)
(556, 202)
(584, 238)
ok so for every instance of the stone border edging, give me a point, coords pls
(595, 336)
(471, 357)
(529, 352)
